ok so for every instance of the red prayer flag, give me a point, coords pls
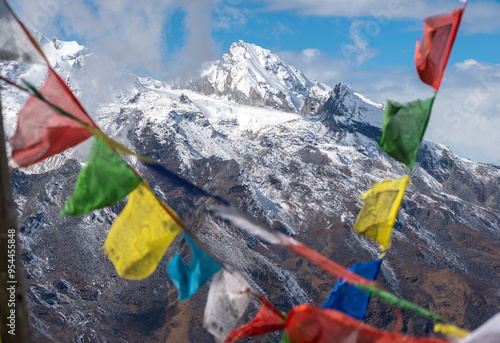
(328, 265)
(432, 56)
(41, 131)
(312, 324)
(268, 319)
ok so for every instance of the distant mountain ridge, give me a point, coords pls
(298, 169)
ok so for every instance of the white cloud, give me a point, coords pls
(317, 65)
(467, 110)
(200, 46)
(480, 16)
(228, 15)
(359, 50)
(127, 31)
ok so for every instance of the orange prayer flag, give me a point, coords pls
(268, 319)
(311, 324)
(41, 131)
(432, 56)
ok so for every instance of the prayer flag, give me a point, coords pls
(328, 265)
(16, 44)
(432, 56)
(166, 175)
(489, 332)
(140, 235)
(41, 131)
(392, 299)
(105, 180)
(403, 128)
(228, 298)
(285, 339)
(189, 279)
(268, 319)
(450, 330)
(311, 324)
(349, 299)
(242, 220)
(380, 210)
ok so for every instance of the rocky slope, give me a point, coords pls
(299, 171)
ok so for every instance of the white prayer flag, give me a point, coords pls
(242, 220)
(489, 332)
(228, 299)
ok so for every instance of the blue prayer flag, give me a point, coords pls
(189, 279)
(349, 299)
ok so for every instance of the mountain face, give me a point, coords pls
(300, 171)
(254, 76)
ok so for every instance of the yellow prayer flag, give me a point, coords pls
(450, 330)
(140, 235)
(380, 209)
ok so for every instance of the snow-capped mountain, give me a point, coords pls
(251, 75)
(299, 170)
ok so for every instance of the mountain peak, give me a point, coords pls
(252, 75)
(241, 51)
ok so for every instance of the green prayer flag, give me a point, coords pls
(104, 181)
(285, 339)
(392, 299)
(403, 128)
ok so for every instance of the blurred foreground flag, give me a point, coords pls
(311, 324)
(432, 56)
(348, 298)
(43, 132)
(489, 332)
(228, 299)
(380, 210)
(105, 180)
(140, 235)
(403, 128)
(16, 44)
(267, 320)
(189, 279)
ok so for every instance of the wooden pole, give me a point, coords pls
(14, 318)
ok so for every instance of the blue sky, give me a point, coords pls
(174, 37)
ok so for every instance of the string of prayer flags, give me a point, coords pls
(380, 209)
(140, 235)
(432, 56)
(450, 330)
(403, 128)
(489, 332)
(167, 176)
(41, 131)
(349, 299)
(228, 299)
(189, 279)
(242, 220)
(16, 44)
(267, 320)
(105, 180)
(312, 324)
(328, 265)
(392, 299)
